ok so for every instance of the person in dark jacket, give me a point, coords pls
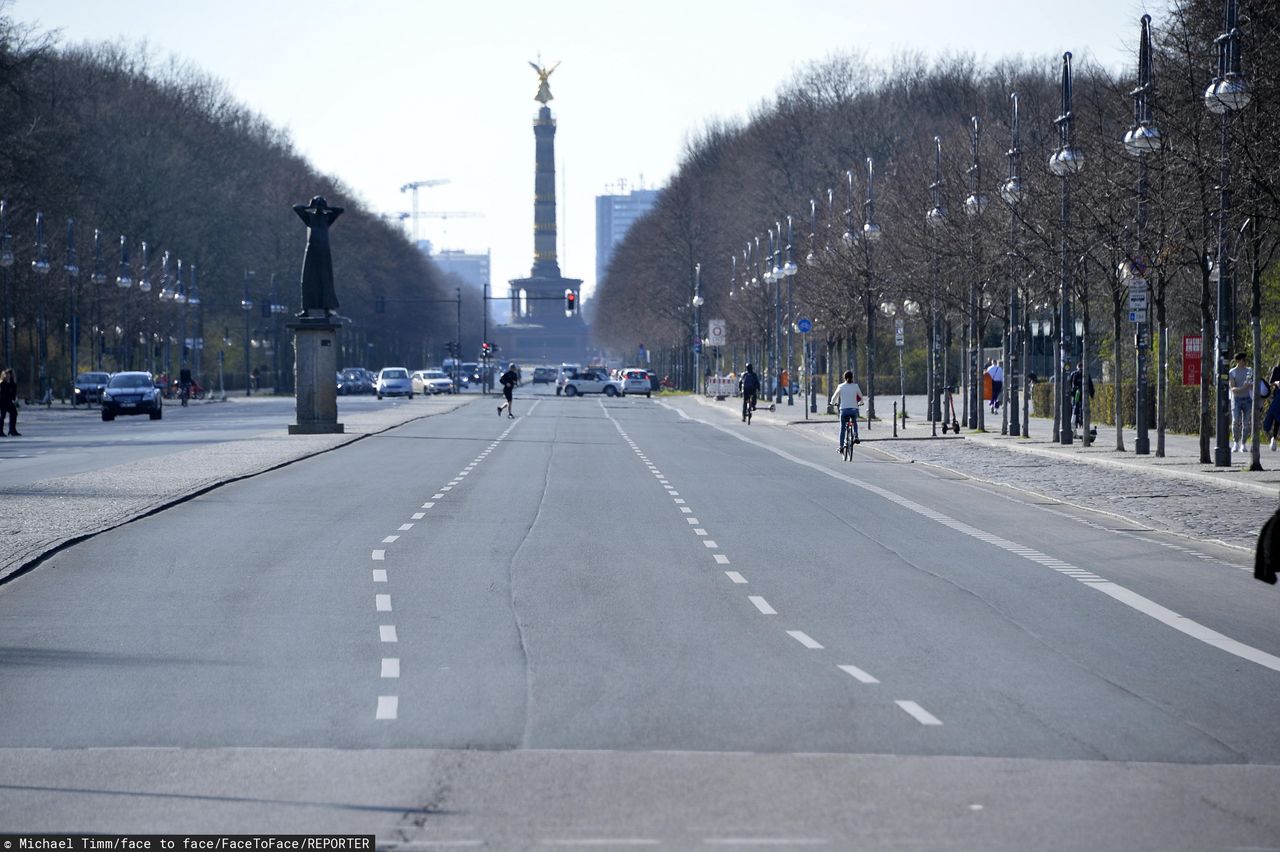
(9, 402)
(508, 381)
(749, 384)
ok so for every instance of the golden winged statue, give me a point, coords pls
(544, 91)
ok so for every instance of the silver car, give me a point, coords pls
(394, 381)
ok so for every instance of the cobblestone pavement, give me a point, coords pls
(1190, 508)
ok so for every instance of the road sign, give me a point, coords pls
(1138, 294)
(805, 325)
(898, 336)
(1191, 359)
(716, 332)
(1138, 316)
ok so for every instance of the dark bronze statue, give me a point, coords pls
(317, 263)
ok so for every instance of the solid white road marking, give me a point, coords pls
(766, 841)
(379, 555)
(379, 575)
(387, 632)
(382, 603)
(921, 715)
(387, 707)
(858, 674)
(762, 605)
(390, 539)
(391, 667)
(736, 577)
(722, 559)
(804, 639)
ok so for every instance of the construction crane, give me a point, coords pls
(414, 186)
(401, 215)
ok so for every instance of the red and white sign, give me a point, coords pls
(1192, 358)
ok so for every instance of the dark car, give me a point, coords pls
(355, 380)
(132, 393)
(544, 375)
(89, 387)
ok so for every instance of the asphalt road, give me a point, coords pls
(621, 622)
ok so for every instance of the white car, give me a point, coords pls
(393, 381)
(563, 374)
(635, 380)
(431, 382)
(591, 381)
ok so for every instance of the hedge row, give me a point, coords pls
(1182, 409)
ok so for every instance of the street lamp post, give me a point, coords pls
(72, 268)
(788, 270)
(1011, 191)
(1226, 93)
(197, 335)
(246, 306)
(124, 280)
(974, 206)
(40, 267)
(99, 279)
(6, 263)
(1065, 162)
(697, 303)
(1143, 138)
(871, 235)
(934, 219)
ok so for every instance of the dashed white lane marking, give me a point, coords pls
(427, 505)
(678, 501)
(379, 555)
(390, 539)
(858, 674)
(382, 603)
(722, 559)
(692, 520)
(921, 715)
(599, 841)
(709, 543)
(387, 632)
(1120, 593)
(805, 639)
(699, 531)
(447, 488)
(379, 575)
(388, 706)
(686, 509)
(437, 496)
(417, 516)
(762, 605)
(736, 577)
(390, 667)
(406, 527)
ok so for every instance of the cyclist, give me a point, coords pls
(749, 385)
(847, 397)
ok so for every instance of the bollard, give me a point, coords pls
(895, 418)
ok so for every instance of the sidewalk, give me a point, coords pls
(1181, 459)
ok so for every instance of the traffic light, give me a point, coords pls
(570, 302)
(486, 350)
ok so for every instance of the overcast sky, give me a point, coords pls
(383, 92)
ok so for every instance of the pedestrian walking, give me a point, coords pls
(9, 402)
(509, 380)
(847, 397)
(1271, 422)
(996, 372)
(1240, 386)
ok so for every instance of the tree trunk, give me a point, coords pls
(1117, 378)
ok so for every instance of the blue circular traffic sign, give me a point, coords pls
(805, 325)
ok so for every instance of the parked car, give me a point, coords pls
(635, 380)
(591, 381)
(431, 382)
(132, 393)
(544, 375)
(355, 380)
(394, 381)
(89, 387)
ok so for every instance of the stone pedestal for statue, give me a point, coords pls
(315, 365)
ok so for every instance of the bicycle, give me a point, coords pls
(748, 406)
(850, 434)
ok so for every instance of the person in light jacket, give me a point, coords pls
(847, 397)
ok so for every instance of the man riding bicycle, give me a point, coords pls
(847, 397)
(749, 385)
